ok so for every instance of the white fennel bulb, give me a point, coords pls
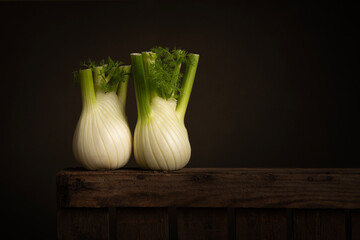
(102, 139)
(161, 140)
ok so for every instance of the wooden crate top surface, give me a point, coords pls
(211, 187)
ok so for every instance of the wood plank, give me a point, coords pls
(202, 223)
(333, 224)
(253, 224)
(306, 224)
(142, 223)
(321, 224)
(191, 187)
(83, 223)
(355, 224)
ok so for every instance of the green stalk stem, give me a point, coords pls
(123, 86)
(97, 78)
(87, 89)
(141, 86)
(148, 59)
(188, 82)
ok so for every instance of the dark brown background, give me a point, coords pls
(277, 86)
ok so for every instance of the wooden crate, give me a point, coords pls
(209, 203)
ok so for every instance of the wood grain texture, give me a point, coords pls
(142, 223)
(83, 223)
(202, 223)
(324, 224)
(216, 187)
(355, 224)
(265, 224)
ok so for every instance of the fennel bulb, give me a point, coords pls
(102, 138)
(161, 140)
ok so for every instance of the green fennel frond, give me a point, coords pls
(89, 64)
(164, 73)
(111, 73)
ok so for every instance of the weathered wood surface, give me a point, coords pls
(202, 223)
(142, 223)
(266, 224)
(211, 187)
(323, 224)
(83, 223)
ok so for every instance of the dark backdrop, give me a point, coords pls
(277, 86)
